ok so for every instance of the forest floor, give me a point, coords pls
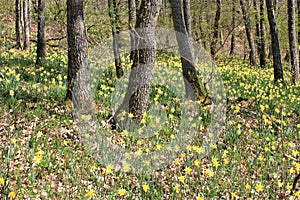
(43, 156)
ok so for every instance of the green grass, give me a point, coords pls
(42, 154)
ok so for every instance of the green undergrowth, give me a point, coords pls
(42, 154)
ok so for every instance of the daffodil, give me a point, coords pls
(108, 169)
(2, 181)
(122, 192)
(199, 198)
(126, 167)
(145, 187)
(248, 186)
(182, 179)
(13, 141)
(12, 195)
(197, 162)
(176, 188)
(90, 193)
(259, 187)
(234, 195)
(39, 134)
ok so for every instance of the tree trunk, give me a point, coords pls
(262, 39)
(293, 42)
(131, 23)
(245, 50)
(187, 16)
(216, 30)
(298, 13)
(192, 86)
(232, 44)
(278, 72)
(78, 81)
(260, 32)
(257, 32)
(248, 33)
(202, 32)
(29, 16)
(17, 25)
(26, 25)
(35, 6)
(41, 43)
(115, 21)
(144, 56)
(22, 32)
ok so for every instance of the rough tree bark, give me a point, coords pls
(277, 62)
(202, 34)
(257, 32)
(29, 16)
(248, 32)
(260, 32)
(187, 16)
(298, 28)
(131, 24)
(41, 43)
(115, 23)
(21, 22)
(216, 30)
(78, 81)
(144, 56)
(262, 35)
(232, 43)
(26, 25)
(275, 5)
(17, 25)
(192, 85)
(293, 42)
